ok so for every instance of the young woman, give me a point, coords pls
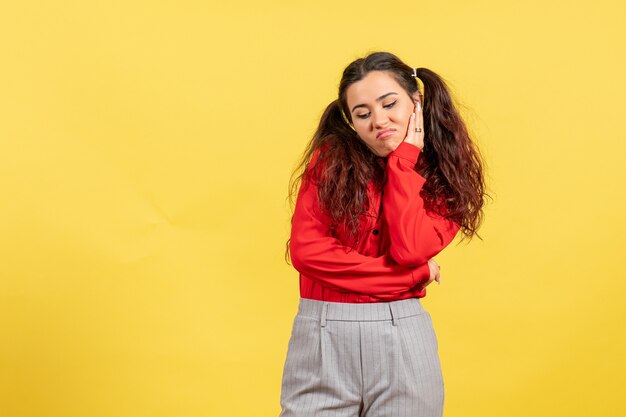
(390, 177)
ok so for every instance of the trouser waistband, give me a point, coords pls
(330, 310)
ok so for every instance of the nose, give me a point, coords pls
(379, 119)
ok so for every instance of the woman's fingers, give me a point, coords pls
(419, 123)
(435, 273)
(410, 132)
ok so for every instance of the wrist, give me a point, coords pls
(408, 151)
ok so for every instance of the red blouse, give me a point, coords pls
(391, 262)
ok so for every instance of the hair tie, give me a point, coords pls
(414, 72)
(345, 119)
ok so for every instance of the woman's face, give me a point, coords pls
(380, 110)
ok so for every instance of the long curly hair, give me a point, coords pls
(451, 162)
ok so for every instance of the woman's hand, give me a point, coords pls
(435, 272)
(416, 121)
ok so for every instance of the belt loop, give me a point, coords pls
(324, 308)
(393, 318)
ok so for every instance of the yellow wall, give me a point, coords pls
(145, 149)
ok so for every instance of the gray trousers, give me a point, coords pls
(362, 360)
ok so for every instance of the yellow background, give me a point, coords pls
(145, 153)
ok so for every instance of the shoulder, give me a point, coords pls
(315, 166)
(319, 152)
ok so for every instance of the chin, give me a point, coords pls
(384, 148)
(391, 147)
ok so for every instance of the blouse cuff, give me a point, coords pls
(407, 151)
(421, 273)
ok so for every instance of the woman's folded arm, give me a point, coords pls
(322, 257)
(416, 236)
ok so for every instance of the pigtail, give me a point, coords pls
(452, 162)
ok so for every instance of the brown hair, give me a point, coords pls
(451, 163)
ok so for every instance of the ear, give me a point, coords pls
(417, 97)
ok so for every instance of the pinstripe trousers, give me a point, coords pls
(362, 360)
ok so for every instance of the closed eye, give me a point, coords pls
(387, 106)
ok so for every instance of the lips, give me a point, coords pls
(384, 133)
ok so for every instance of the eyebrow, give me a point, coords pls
(378, 99)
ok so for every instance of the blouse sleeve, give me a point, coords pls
(322, 257)
(416, 236)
